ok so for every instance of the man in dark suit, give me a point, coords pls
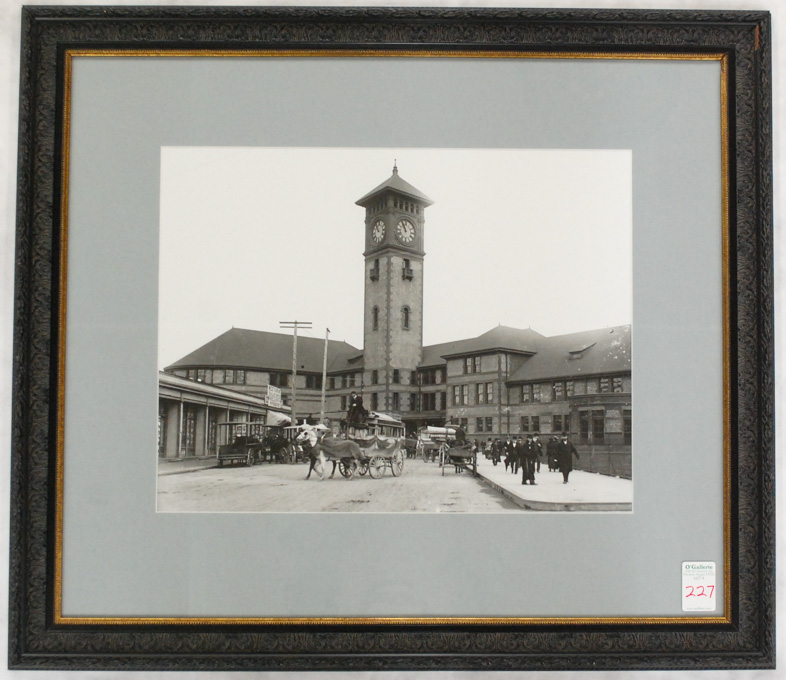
(356, 413)
(538, 450)
(551, 454)
(565, 453)
(510, 454)
(528, 458)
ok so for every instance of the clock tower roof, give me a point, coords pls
(401, 186)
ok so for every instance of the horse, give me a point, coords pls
(309, 439)
(322, 447)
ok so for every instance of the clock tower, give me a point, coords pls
(393, 314)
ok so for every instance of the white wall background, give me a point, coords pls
(10, 17)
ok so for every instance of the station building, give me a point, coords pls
(506, 381)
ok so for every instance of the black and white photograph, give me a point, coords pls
(395, 330)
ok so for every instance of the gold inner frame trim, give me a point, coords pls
(70, 54)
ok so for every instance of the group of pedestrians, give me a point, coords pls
(526, 455)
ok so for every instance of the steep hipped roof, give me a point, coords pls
(395, 183)
(606, 350)
(498, 338)
(243, 348)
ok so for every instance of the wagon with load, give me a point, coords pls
(448, 445)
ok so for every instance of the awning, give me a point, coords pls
(276, 419)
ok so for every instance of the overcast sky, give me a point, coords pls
(526, 238)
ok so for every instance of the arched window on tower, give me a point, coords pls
(375, 318)
(405, 318)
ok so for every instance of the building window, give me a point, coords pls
(605, 385)
(524, 424)
(463, 423)
(375, 318)
(592, 386)
(476, 364)
(406, 271)
(456, 395)
(314, 382)
(558, 391)
(343, 382)
(464, 395)
(598, 427)
(536, 393)
(556, 423)
(591, 427)
(569, 388)
(279, 379)
(478, 424)
(616, 384)
(230, 376)
(468, 365)
(489, 393)
(627, 427)
(395, 401)
(526, 394)
(374, 377)
(218, 376)
(351, 380)
(240, 376)
(489, 424)
(413, 402)
(396, 376)
(200, 375)
(405, 318)
(332, 383)
(374, 273)
(535, 423)
(480, 393)
(374, 401)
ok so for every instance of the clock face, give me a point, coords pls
(405, 231)
(378, 231)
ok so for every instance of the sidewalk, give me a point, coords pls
(585, 491)
(177, 466)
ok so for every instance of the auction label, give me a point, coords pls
(698, 586)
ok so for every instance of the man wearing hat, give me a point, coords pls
(528, 458)
(565, 453)
(538, 450)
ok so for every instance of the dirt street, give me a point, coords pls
(283, 488)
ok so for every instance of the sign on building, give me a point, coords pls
(273, 396)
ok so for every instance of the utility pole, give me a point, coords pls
(324, 378)
(294, 325)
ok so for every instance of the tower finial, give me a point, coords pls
(395, 167)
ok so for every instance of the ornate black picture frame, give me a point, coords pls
(41, 638)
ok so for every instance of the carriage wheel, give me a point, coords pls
(397, 463)
(363, 468)
(345, 468)
(376, 467)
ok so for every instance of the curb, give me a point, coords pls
(529, 504)
(182, 472)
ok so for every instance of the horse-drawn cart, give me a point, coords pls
(449, 446)
(377, 450)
